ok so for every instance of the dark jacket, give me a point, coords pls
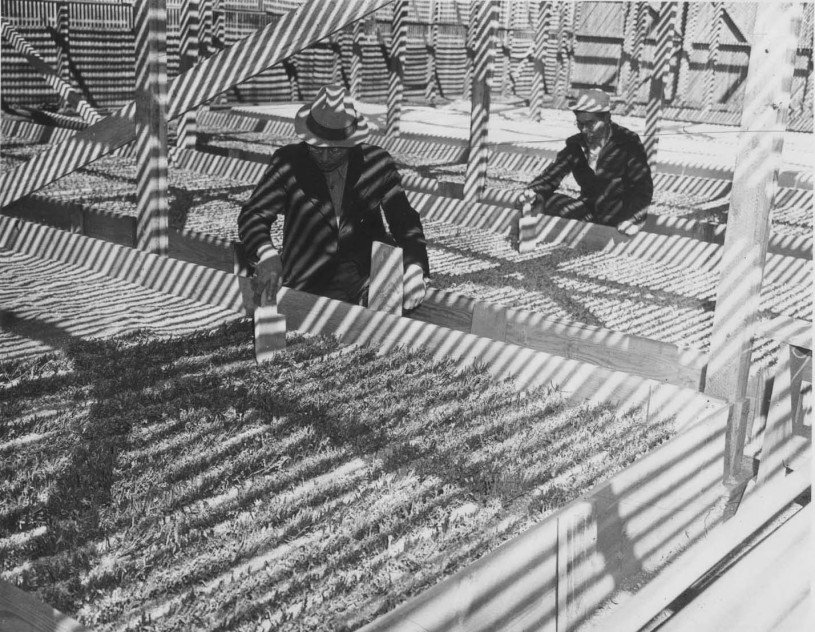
(621, 187)
(312, 246)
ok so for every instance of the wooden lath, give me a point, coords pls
(297, 30)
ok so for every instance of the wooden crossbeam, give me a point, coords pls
(298, 29)
(68, 93)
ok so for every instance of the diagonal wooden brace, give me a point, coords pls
(297, 30)
(65, 90)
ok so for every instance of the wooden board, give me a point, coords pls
(21, 612)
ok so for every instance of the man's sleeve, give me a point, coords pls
(551, 177)
(261, 209)
(403, 220)
(641, 187)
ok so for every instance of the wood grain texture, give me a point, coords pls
(21, 612)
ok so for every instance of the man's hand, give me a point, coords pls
(268, 273)
(413, 288)
(629, 228)
(525, 200)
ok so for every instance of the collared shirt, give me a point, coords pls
(335, 180)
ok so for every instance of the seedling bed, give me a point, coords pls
(615, 290)
(163, 483)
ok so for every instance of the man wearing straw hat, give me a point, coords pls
(332, 190)
(609, 164)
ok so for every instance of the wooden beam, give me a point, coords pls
(656, 94)
(541, 57)
(22, 612)
(761, 139)
(152, 204)
(481, 30)
(67, 92)
(249, 57)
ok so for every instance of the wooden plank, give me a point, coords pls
(202, 249)
(21, 612)
(109, 226)
(188, 50)
(481, 30)
(793, 331)
(768, 85)
(446, 309)
(152, 201)
(576, 564)
(295, 31)
(696, 561)
(541, 54)
(489, 321)
(385, 292)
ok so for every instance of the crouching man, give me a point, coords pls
(609, 164)
(329, 190)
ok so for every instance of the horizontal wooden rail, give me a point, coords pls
(613, 350)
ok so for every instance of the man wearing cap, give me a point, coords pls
(329, 190)
(609, 164)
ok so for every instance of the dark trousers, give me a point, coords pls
(567, 207)
(348, 284)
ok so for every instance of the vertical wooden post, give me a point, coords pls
(541, 58)
(356, 58)
(663, 51)
(396, 66)
(63, 55)
(150, 20)
(564, 43)
(483, 23)
(632, 84)
(507, 42)
(219, 36)
(764, 119)
(188, 49)
(470, 51)
(432, 88)
(713, 54)
(690, 15)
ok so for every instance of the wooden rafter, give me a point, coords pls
(249, 57)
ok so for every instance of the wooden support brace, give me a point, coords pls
(385, 292)
(21, 612)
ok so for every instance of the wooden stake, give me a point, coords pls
(270, 327)
(188, 51)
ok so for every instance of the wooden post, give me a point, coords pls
(396, 66)
(632, 84)
(690, 15)
(541, 58)
(385, 292)
(152, 232)
(713, 55)
(663, 52)
(432, 87)
(63, 54)
(483, 23)
(188, 51)
(767, 90)
(358, 34)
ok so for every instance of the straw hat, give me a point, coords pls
(331, 120)
(592, 101)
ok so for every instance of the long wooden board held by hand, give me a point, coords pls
(270, 327)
